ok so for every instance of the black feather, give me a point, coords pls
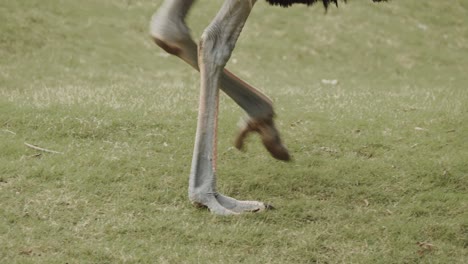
(326, 3)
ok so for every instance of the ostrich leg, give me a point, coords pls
(216, 45)
(170, 32)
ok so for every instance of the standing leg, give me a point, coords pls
(170, 32)
(216, 46)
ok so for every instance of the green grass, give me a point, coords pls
(380, 171)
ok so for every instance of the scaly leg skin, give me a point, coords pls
(215, 50)
(170, 32)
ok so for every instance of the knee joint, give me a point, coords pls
(214, 49)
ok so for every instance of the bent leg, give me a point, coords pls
(170, 32)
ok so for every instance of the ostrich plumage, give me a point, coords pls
(326, 3)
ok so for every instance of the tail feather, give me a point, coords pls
(326, 3)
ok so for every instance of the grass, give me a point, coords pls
(380, 172)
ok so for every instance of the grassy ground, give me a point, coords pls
(380, 171)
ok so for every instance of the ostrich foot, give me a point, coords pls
(269, 134)
(242, 206)
(223, 205)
